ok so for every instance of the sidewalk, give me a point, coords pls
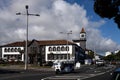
(30, 67)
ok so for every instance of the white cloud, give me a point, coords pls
(55, 16)
(98, 43)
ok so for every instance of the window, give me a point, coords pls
(12, 50)
(64, 56)
(55, 56)
(9, 50)
(58, 48)
(5, 50)
(16, 50)
(19, 49)
(50, 56)
(67, 48)
(50, 48)
(61, 56)
(62, 48)
(19, 57)
(54, 48)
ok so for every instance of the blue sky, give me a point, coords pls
(109, 29)
(57, 16)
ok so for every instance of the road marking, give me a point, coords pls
(62, 77)
(77, 77)
(70, 77)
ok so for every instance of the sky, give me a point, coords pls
(57, 16)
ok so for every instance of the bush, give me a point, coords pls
(49, 63)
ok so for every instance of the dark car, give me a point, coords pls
(116, 74)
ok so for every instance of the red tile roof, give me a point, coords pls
(54, 42)
(41, 42)
(15, 44)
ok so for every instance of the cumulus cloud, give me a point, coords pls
(98, 43)
(55, 16)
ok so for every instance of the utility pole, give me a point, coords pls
(26, 46)
(67, 33)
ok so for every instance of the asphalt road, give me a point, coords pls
(24, 75)
(85, 73)
(105, 76)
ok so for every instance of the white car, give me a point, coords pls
(63, 67)
(100, 63)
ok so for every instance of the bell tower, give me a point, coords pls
(83, 39)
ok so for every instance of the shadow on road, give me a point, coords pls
(5, 71)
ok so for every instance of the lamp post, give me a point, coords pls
(67, 33)
(26, 46)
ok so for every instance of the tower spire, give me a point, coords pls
(82, 30)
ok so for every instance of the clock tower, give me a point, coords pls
(83, 39)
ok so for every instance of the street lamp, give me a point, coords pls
(26, 52)
(67, 33)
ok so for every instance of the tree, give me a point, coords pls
(108, 9)
(91, 54)
(117, 56)
(110, 57)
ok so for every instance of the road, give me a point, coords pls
(85, 73)
(24, 75)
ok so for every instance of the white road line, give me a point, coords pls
(69, 77)
(62, 77)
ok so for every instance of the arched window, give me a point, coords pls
(5, 50)
(12, 50)
(9, 50)
(54, 48)
(62, 48)
(67, 48)
(58, 48)
(19, 49)
(15, 50)
(50, 49)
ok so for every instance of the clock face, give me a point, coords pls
(82, 35)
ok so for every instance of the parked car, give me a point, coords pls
(116, 74)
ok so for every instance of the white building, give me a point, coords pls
(52, 50)
(13, 51)
(42, 51)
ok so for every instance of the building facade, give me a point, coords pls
(13, 51)
(40, 52)
(52, 50)
(43, 51)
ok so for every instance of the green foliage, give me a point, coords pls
(113, 57)
(110, 57)
(91, 54)
(108, 9)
